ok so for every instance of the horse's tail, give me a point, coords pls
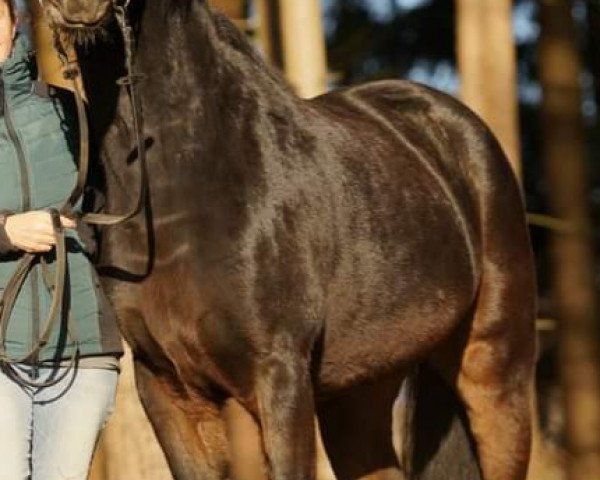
(432, 434)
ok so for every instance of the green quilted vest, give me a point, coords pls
(38, 171)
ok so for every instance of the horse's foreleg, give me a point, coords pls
(286, 414)
(192, 436)
(357, 430)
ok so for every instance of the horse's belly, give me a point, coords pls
(389, 309)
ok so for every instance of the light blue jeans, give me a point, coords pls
(49, 433)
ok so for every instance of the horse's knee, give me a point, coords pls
(192, 435)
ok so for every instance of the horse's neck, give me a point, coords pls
(203, 71)
(213, 112)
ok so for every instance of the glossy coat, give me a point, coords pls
(293, 249)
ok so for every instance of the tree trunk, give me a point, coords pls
(304, 54)
(573, 254)
(487, 64)
(594, 45)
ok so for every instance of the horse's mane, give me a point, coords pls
(231, 36)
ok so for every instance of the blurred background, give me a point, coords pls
(531, 69)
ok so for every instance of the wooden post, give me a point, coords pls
(304, 53)
(487, 64)
(593, 7)
(265, 31)
(234, 9)
(269, 30)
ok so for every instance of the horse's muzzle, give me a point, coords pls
(77, 13)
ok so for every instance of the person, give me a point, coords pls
(55, 401)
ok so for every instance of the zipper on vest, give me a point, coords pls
(24, 172)
(25, 206)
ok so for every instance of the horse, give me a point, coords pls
(293, 250)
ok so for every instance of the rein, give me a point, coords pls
(72, 72)
(130, 80)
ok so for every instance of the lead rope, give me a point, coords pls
(72, 72)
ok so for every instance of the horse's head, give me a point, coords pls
(77, 14)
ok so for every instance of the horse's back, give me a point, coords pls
(459, 150)
(442, 134)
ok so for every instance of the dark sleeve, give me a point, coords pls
(5, 245)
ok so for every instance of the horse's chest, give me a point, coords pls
(173, 320)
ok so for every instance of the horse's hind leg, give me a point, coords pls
(496, 368)
(193, 437)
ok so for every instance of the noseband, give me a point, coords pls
(72, 73)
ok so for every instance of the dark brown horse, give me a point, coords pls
(292, 250)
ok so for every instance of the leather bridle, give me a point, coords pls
(72, 72)
(130, 81)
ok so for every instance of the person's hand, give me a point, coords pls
(7, 31)
(32, 231)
